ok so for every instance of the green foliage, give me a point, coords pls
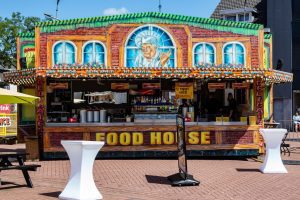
(9, 30)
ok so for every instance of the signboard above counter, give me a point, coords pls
(184, 90)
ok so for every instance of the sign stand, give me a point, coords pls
(182, 178)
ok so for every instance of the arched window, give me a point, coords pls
(150, 46)
(204, 53)
(64, 52)
(234, 53)
(94, 52)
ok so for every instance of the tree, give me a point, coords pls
(9, 29)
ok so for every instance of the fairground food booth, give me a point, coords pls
(122, 79)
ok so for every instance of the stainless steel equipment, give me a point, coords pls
(103, 116)
(90, 116)
(184, 111)
(82, 116)
(96, 115)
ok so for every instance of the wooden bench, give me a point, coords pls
(5, 164)
(20, 167)
(25, 169)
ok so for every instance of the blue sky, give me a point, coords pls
(87, 8)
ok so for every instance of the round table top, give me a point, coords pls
(82, 142)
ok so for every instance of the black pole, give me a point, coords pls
(57, 8)
(159, 6)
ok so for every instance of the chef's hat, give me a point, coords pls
(147, 40)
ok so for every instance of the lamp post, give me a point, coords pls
(48, 16)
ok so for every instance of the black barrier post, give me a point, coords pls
(182, 178)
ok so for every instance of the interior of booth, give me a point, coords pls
(149, 101)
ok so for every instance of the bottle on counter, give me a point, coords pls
(128, 118)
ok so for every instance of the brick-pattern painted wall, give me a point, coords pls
(254, 52)
(204, 33)
(181, 36)
(228, 137)
(80, 31)
(55, 139)
(119, 34)
(43, 50)
(237, 137)
(118, 37)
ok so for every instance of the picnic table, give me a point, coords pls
(6, 164)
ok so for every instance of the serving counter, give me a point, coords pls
(155, 139)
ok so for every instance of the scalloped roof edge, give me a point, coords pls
(131, 16)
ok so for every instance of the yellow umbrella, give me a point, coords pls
(11, 97)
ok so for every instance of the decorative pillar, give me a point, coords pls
(40, 110)
(259, 109)
(271, 102)
(259, 100)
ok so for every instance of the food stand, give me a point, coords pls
(122, 79)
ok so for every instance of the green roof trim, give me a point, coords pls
(267, 36)
(26, 34)
(152, 17)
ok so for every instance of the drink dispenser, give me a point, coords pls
(90, 116)
(103, 116)
(82, 116)
(96, 115)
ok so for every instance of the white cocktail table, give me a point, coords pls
(273, 138)
(81, 183)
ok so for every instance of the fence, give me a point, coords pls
(289, 125)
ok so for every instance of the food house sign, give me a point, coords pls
(151, 138)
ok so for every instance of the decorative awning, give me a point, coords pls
(28, 76)
(20, 77)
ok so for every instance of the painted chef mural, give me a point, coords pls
(150, 46)
(28, 51)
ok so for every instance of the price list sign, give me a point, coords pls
(184, 90)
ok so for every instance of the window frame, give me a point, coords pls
(165, 47)
(211, 44)
(64, 52)
(234, 53)
(236, 16)
(94, 53)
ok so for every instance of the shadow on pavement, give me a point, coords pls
(247, 170)
(291, 162)
(158, 179)
(51, 194)
(12, 150)
(10, 185)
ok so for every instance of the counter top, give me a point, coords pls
(144, 123)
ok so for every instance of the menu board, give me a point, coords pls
(59, 85)
(119, 86)
(182, 164)
(151, 85)
(216, 85)
(184, 90)
(240, 85)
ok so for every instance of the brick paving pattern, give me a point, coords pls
(146, 179)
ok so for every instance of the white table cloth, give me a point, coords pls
(81, 183)
(272, 162)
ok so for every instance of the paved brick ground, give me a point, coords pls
(146, 179)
